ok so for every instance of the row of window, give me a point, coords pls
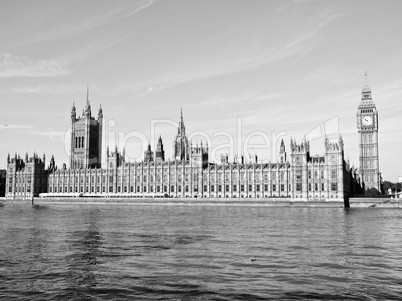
(19, 180)
(316, 187)
(165, 178)
(28, 189)
(180, 177)
(213, 188)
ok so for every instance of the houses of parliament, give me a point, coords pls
(296, 174)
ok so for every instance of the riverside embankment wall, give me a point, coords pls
(375, 203)
(271, 202)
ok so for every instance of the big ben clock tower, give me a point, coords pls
(367, 126)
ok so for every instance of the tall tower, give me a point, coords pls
(299, 158)
(282, 153)
(86, 138)
(367, 126)
(181, 148)
(160, 153)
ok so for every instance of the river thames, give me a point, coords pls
(173, 252)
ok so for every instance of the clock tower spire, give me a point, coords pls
(367, 127)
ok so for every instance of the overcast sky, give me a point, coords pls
(275, 68)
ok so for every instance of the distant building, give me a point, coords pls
(188, 174)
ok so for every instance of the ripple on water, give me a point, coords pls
(198, 253)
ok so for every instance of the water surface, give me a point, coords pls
(165, 252)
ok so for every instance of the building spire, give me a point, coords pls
(366, 87)
(87, 94)
(73, 111)
(100, 112)
(366, 93)
(87, 111)
(181, 128)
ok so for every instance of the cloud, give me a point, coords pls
(315, 26)
(5, 126)
(47, 89)
(90, 22)
(22, 66)
(138, 89)
(234, 55)
(137, 9)
(52, 134)
(87, 51)
(225, 98)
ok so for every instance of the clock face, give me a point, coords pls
(367, 120)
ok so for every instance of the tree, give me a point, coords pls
(2, 182)
(387, 185)
(372, 193)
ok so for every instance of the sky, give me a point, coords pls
(245, 73)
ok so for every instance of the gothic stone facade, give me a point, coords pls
(26, 178)
(189, 174)
(304, 177)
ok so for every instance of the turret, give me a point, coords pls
(224, 159)
(282, 153)
(199, 155)
(148, 154)
(299, 158)
(73, 112)
(100, 112)
(52, 165)
(160, 153)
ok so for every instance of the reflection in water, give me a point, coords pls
(78, 252)
(36, 245)
(83, 256)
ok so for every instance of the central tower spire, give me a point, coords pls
(180, 144)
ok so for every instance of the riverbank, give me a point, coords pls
(271, 202)
(375, 203)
